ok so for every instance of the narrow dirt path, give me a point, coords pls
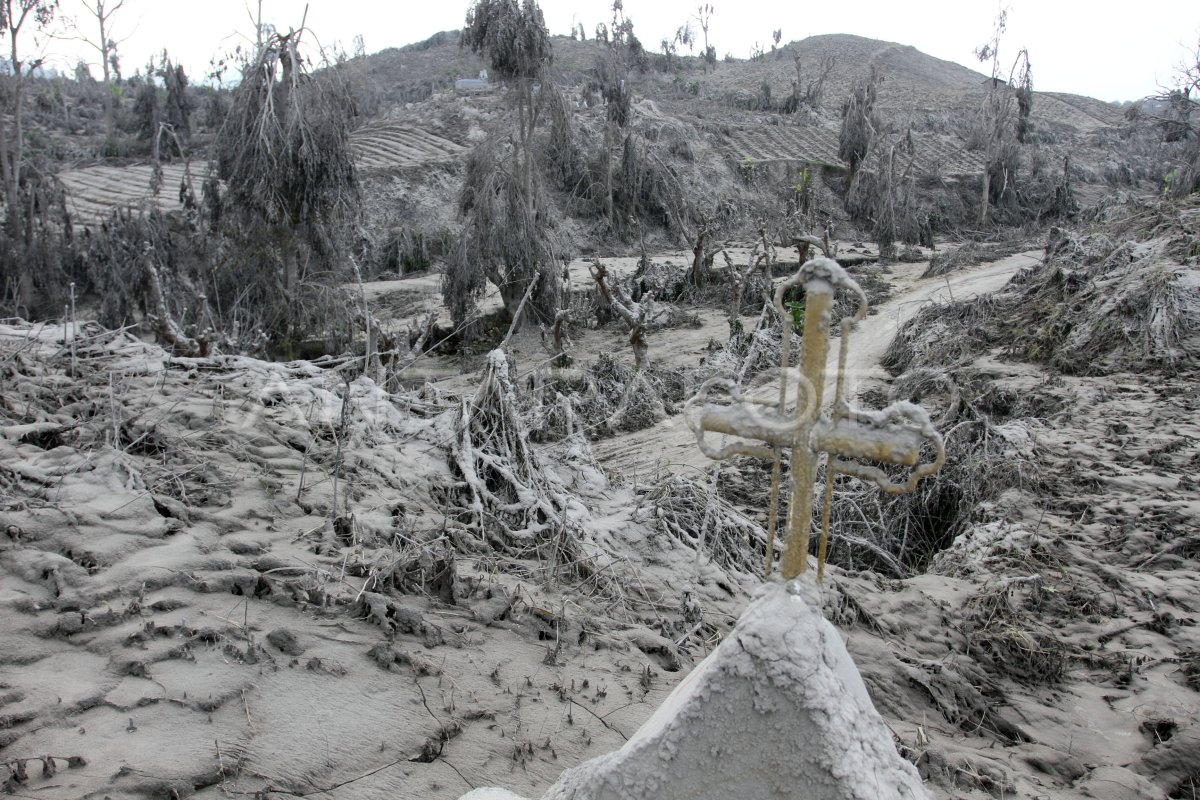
(670, 445)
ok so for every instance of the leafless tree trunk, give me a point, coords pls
(703, 15)
(103, 12)
(608, 176)
(393, 360)
(635, 315)
(702, 253)
(993, 108)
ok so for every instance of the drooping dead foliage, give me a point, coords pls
(1120, 296)
(1022, 78)
(565, 162)
(511, 35)
(37, 246)
(611, 82)
(1175, 116)
(508, 239)
(25, 245)
(995, 127)
(508, 235)
(291, 189)
(647, 189)
(130, 253)
(882, 197)
(859, 122)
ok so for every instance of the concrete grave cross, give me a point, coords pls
(847, 435)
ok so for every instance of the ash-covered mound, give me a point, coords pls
(1053, 634)
(1122, 295)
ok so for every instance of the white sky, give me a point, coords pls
(1074, 45)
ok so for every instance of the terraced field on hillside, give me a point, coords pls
(389, 145)
(1085, 114)
(94, 192)
(814, 144)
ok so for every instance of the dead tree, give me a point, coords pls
(859, 121)
(806, 242)
(1022, 77)
(508, 238)
(1000, 153)
(510, 501)
(703, 252)
(611, 81)
(739, 277)
(636, 315)
(881, 197)
(555, 339)
(1175, 112)
(516, 44)
(399, 351)
(762, 255)
(102, 12)
(767, 256)
(283, 153)
(703, 16)
(808, 96)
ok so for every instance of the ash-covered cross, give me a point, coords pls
(847, 435)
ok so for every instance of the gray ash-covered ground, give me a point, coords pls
(225, 575)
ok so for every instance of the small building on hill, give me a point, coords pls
(480, 85)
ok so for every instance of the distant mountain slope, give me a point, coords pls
(731, 137)
(905, 69)
(928, 93)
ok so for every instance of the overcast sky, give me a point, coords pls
(1074, 46)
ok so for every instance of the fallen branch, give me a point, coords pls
(164, 325)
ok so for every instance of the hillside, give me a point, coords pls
(726, 136)
(410, 117)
